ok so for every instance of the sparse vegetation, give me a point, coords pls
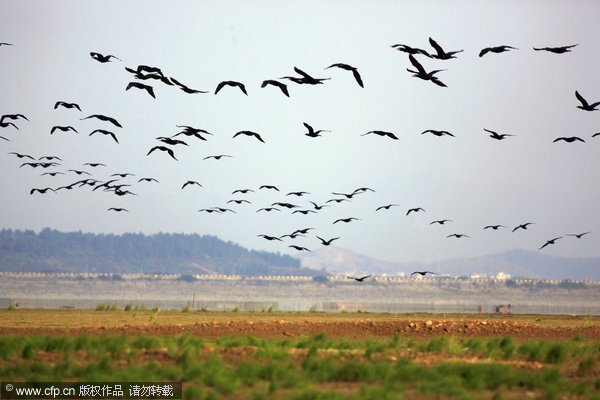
(315, 367)
(309, 366)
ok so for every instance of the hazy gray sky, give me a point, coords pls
(470, 178)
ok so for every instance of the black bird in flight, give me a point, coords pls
(417, 209)
(118, 209)
(185, 88)
(5, 44)
(457, 235)
(299, 194)
(238, 201)
(139, 85)
(13, 117)
(303, 231)
(316, 206)
(104, 118)
(7, 124)
(269, 238)
(66, 105)
(249, 133)
(210, 210)
(156, 76)
(148, 180)
(42, 191)
(292, 235)
(382, 133)
(496, 135)
(146, 69)
(233, 84)
(494, 227)
(346, 195)
(50, 158)
(278, 84)
(327, 242)
(346, 220)
(578, 235)
(523, 226)
(217, 157)
(557, 50)
(422, 74)
(441, 221)
(551, 241)
(349, 68)
(360, 279)
(35, 164)
(222, 210)
(124, 174)
(386, 207)
(569, 139)
(103, 58)
(242, 191)
(268, 209)
(336, 200)
(496, 49)
(21, 155)
(284, 205)
(163, 148)
(190, 183)
(94, 165)
(305, 79)
(437, 133)
(440, 53)
(170, 141)
(53, 174)
(63, 129)
(104, 184)
(304, 212)
(105, 132)
(68, 187)
(79, 172)
(312, 132)
(410, 50)
(584, 104)
(422, 273)
(299, 248)
(191, 131)
(44, 165)
(268, 187)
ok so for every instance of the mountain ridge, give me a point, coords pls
(516, 262)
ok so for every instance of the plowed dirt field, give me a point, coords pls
(277, 325)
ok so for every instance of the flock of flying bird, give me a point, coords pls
(167, 145)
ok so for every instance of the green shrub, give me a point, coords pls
(555, 354)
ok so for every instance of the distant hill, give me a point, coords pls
(54, 251)
(517, 263)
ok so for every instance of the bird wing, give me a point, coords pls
(437, 47)
(357, 77)
(220, 86)
(242, 87)
(310, 128)
(584, 103)
(304, 74)
(416, 64)
(484, 51)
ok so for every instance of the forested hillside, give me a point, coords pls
(53, 251)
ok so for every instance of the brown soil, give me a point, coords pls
(292, 325)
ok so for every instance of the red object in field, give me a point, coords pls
(480, 309)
